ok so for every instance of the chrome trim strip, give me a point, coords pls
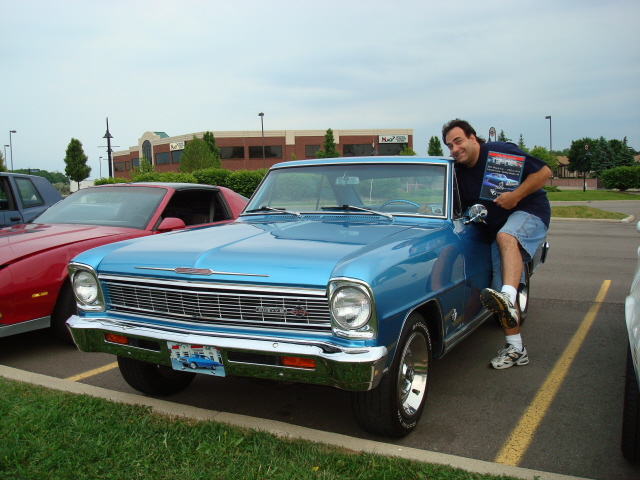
(213, 285)
(211, 272)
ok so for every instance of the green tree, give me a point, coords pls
(435, 147)
(543, 154)
(623, 155)
(579, 161)
(76, 162)
(602, 157)
(2, 166)
(502, 137)
(211, 142)
(196, 156)
(144, 167)
(407, 152)
(521, 144)
(328, 149)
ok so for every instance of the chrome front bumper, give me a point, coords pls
(355, 369)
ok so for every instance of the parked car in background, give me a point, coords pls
(348, 272)
(631, 409)
(22, 197)
(34, 285)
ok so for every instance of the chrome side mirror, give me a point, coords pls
(476, 213)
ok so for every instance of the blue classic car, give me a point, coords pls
(349, 272)
(500, 181)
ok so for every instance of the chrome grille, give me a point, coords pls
(218, 304)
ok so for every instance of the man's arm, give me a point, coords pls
(533, 182)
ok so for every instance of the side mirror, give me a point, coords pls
(171, 223)
(476, 213)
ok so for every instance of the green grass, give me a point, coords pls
(47, 434)
(583, 211)
(589, 195)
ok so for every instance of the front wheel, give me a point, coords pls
(65, 307)
(394, 407)
(153, 379)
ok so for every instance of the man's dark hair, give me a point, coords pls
(464, 125)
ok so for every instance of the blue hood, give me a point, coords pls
(300, 253)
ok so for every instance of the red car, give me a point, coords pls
(34, 286)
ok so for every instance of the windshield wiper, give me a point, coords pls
(359, 209)
(264, 208)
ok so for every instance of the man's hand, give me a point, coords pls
(507, 200)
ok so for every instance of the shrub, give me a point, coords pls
(62, 188)
(110, 180)
(551, 188)
(621, 178)
(213, 176)
(169, 177)
(245, 182)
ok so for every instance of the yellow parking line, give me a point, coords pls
(93, 372)
(516, 445)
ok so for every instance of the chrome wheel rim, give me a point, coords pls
(413, 375)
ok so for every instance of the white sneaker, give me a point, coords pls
(500, 304)
(510, 356)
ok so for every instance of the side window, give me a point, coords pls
(6, 201)
(457, 203)
(196, 207)
(28, 193)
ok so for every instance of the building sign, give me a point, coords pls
(177, 146)
(393, 139)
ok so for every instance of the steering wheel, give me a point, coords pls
(401, 201)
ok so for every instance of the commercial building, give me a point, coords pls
(244, 150)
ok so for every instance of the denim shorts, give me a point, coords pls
(530, 232)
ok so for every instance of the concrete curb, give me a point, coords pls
(280, 429)
(628, 219)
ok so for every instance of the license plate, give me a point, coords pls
(196, 358)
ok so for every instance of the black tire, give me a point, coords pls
(631, 413)
(393, 408)
(523, 298)
(65, 307)
(193, 365)
(153, 379)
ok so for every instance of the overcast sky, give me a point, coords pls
(195, 65)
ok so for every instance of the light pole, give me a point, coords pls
(11, 147)
(100, 164)
(264, 158)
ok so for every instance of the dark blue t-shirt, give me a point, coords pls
(470, 181)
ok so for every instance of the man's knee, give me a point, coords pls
(505, 239)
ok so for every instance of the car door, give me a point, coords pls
(9, 214)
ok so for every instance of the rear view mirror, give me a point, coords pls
(171, 223)
(476, 213)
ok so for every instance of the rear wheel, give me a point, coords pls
(65, 307)
(394, 407)
(631, 413)
(153, 379)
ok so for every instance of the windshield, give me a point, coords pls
(389, 188)
(130, 207)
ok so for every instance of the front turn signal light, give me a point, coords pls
(113, 338)
(298, 362)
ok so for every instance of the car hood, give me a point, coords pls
(301, 253)
(26, 239)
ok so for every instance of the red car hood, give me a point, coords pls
(26, 239)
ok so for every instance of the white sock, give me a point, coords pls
(516, 341)
(511, 291)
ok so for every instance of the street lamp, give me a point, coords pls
(11, 147)
(264, 158)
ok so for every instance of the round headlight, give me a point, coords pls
(351, 307)
(85, 286)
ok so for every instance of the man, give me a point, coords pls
(509, 183)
